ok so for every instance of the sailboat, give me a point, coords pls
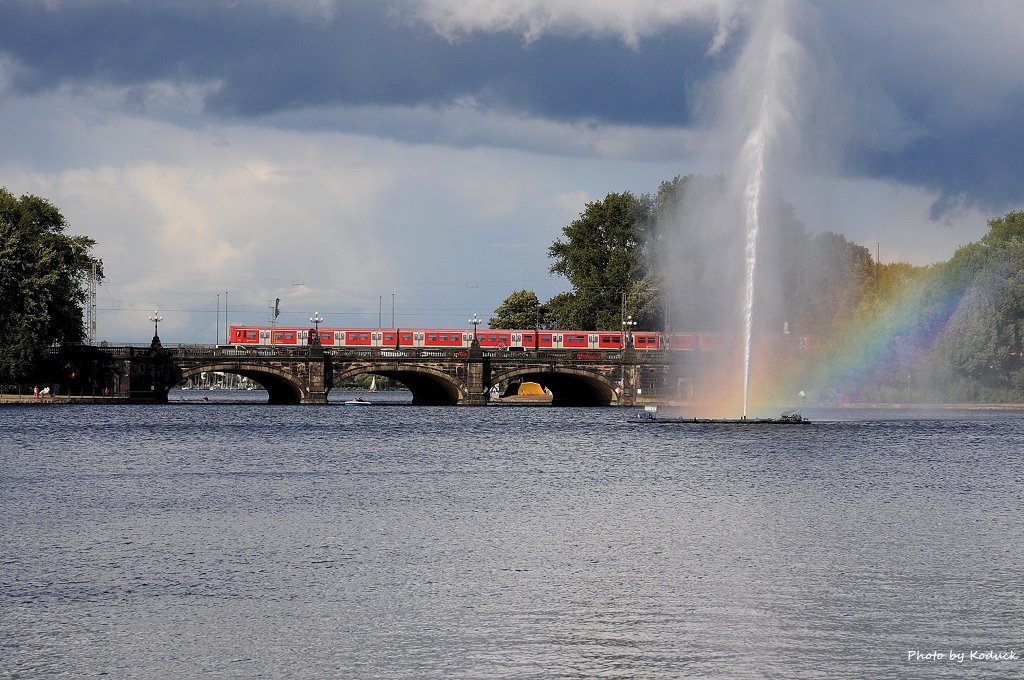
(373, 384)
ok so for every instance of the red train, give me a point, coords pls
(508, 340)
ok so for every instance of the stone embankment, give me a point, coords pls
(53, 400)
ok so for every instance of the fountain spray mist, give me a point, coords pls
(755, 187)
(771, 54)
(723, 250)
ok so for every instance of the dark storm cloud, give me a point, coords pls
(931, 87)
(267, 61)
(939, 95)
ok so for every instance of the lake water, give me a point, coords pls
(239, 540)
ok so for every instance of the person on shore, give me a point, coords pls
(35, 391)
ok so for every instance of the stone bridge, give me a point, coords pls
(435, 377)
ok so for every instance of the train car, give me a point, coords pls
(609, 340)
(489, 339)
(393, 338)
(539, 339)
(241, 335)
(683, 342)
(247, 336)
(646, 340)
(711, 341)
(444, 339)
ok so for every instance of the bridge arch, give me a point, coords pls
(429, 386)
(282, 386)
(570, 386)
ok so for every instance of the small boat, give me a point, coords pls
(358, 401)
(523, 394)
(373, 384)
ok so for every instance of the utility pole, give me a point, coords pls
(91, 309)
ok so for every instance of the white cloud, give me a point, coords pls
(893, 217)
(184, 213)
(629, 21)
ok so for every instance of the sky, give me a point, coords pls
(413, 160)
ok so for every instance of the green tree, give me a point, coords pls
(602, 256)
(830, 278)
(1003, 230)
(522, 309)
(983, 336)
(42, 272)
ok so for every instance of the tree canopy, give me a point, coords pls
(602, 256)
(42, 275)
(521, 309)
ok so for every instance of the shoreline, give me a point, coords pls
(62, 400)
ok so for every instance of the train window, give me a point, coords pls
(492, 338)
(406, 336)
(545, 338)
(608, 338)
(432, 337)
(443, 337)
(389, 336)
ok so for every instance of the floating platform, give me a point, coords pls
(649, 416)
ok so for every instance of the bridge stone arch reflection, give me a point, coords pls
(282, 386)
(569, 386)
(430, 386)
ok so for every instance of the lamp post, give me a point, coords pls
(627, 329)
(316, 320)
(476, 322)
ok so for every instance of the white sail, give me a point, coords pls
(373, 384)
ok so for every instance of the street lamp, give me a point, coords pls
(476, 321)
(627, 329)
(316, 320)
(156, 319)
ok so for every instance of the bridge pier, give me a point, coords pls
(319, 377)
(478, 378)
(149, 374)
